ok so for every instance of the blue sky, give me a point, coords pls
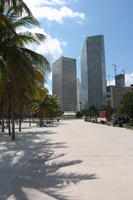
(66, 23)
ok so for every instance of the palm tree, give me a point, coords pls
(17, 5)
(24, 67)
(47, 107)
(3, 94)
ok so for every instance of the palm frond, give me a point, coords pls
(40, 37)
(6, 26)
(26, 21)
(2, 4)
(25, 38)
(37, 59)
(18, 5)
(2, 65)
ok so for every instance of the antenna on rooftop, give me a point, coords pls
(115, 69)
(123, 71)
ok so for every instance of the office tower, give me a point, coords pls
(64, 83)
(93, 78)
(120, 80)
(78, 94)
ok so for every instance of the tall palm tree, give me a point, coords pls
(24, 66)
(3, 89)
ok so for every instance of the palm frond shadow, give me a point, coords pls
(39, 171)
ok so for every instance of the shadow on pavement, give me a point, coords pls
(31, 163)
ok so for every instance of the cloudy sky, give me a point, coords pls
(66, 23)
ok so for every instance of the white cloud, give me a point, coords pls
(64, 43)
(58, 15)
(40, 10)
(47, 86)
(50, 76)
(128, 80)
(51, 48)
(112, 82)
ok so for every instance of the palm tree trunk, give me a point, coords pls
(2, 114)
(13, 126)
(29, 121)
(41, 120)
(9, 114)
(33, 119)
(21, 115)
(9, 127)
(3, 124)
(20, 122)
(9, 122)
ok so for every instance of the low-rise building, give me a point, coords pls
(115, 95)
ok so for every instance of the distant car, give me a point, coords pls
(118, 121)
(94, 120)
(85, 119)
(102, 120)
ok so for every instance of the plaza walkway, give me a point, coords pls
(75, 160)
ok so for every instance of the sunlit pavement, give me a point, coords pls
(73, 160)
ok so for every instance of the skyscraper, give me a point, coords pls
(64, 83)
(78, 94)
(120, 80)
(93, 76)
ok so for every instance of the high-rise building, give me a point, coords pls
(64, 83)
(78, 94)
(120, 80)
(93, 75)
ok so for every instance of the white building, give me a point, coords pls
(64, 83)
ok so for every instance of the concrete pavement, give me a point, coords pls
(76, 160)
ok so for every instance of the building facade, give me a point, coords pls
(115, 95)
(78, 94)
(120, 80)
(64, 83)
(93, 75)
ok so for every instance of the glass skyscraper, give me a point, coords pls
(78, 94)
(64, 83)
(93, 75)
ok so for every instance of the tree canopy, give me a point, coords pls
(22, 70)
(126, 107)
